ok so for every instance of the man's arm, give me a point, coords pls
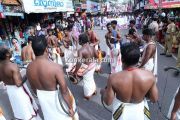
(96, 38)
(96, 53)
(64, 89)
(107, 42)
(17, 76)
(118, 37)
(150, 50)
(79, 61)
(176, 106)
(153, 92)
(108, 94)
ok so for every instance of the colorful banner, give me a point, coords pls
(47, 6)
(154, 4)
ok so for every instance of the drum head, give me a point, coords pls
(74, 80)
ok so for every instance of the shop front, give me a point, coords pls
(11, 17)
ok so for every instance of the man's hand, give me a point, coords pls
(173, 116)
(71, 112)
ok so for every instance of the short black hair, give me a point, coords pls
(155, 19)
(132, 22)
(130, 53)
(30, 39)
(39, 45)
(70, 26)
(3, 52)
(114, 22)
(132, 31)
(108, 24)
(83, 38)
(148, 31)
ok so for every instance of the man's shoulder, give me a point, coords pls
(118, 76)
(12, 66)
(148, 74)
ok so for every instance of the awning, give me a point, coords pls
(11, 2)
(47, 6)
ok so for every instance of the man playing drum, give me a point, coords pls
(86, 57)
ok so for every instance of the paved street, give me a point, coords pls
(93, 109)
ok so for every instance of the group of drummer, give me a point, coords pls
(129, 85)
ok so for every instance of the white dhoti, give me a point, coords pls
(56, 57)
(89, 85)
(171, 107)
(151, 64)
(130, 111)
(115, 55)
(21, 102)
(51, 107)
(69, 55)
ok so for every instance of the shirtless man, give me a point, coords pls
(45, 82)
(113, 42)
(86, 55)
(94, 41)
(19, 99)
(54, 50)
(127, 89)
(52, 39)
(149, 57)
(27, 54)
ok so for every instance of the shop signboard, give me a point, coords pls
(47, 6)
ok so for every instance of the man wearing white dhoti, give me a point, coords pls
(127, 89)
(149, 57)
(94, 41)
(113, 42)
(54, 50)
(44, 77)
(70, 50)
(21, 102)
(87, 55)
(174, 110)
(27, 53)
